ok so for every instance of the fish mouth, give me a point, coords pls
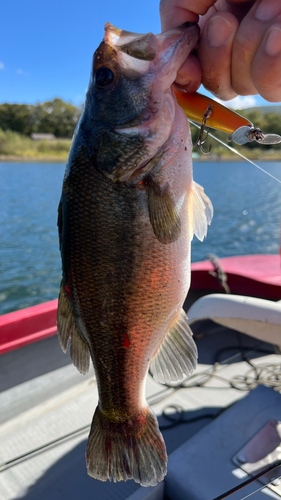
(175, 46)
(143, 53)
(159, 57)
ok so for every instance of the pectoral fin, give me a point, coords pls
(177, 355)
(67, 329)
(163, 212)
(200, 211)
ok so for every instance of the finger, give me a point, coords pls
(173, 13)
(189, 75)
(204, 19)
(251, 33)
(239, 8)
(266, 68)
(215, 53)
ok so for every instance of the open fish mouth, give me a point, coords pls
(161, 56)
(163, 53)
(132, 96)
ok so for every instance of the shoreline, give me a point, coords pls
(32, 159)
(212, 158)
(236, 158)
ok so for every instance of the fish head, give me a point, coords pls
(130, 105)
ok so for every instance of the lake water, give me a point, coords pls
(247, 206)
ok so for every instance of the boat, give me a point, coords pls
(254, 275)
(213, 422)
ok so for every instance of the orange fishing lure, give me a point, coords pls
(204, 110)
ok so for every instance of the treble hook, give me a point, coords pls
(200, 141)
(245, 134)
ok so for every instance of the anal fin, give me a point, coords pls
(177, 355)
(67, 329)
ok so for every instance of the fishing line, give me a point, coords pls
(261, 488)
(48, 446)
(237, 152)
(256, 491)
(271, 468)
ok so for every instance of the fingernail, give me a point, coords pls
(268, 10)
(218, 31)
(273, 42)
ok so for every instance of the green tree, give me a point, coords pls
(17, 117)
(56, 117)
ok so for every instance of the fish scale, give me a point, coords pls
(104, 257)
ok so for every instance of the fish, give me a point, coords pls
(128, 211)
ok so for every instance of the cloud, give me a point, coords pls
(240, 102)
(21, 72)
(2, 65)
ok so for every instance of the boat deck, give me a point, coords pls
(47, 406)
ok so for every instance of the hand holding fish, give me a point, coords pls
(240, 46)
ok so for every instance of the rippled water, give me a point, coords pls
(247, 207)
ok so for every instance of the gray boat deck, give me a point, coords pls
(43, 398)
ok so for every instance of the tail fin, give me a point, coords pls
(133, 449)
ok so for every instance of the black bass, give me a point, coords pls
(128, 212)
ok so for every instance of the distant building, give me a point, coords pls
(43, 137)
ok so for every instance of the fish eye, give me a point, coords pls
(103, 77)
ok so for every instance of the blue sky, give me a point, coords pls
(46, 48)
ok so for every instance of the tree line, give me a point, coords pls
(56, 117)
(60, 118)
